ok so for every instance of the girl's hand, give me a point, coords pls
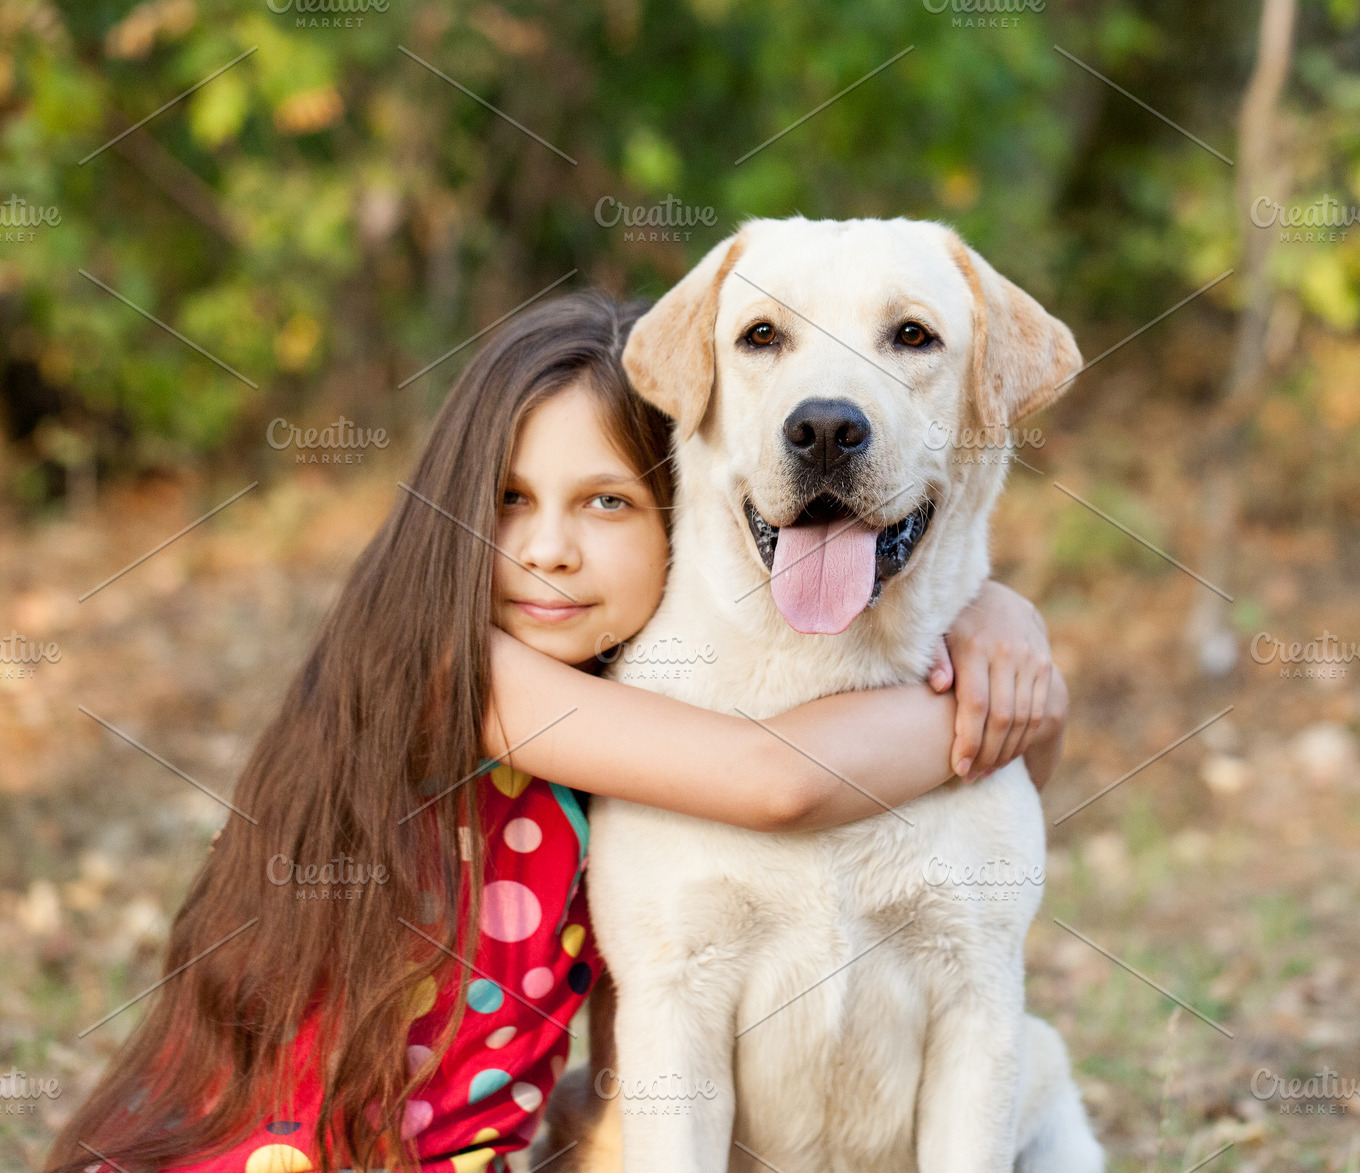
(1011, 698)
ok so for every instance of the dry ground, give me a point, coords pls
(1228, 871)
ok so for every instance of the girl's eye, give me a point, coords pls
(914, 334)
(609, 503)
(510, 497)
(761, 334)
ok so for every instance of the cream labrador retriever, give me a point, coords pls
(833, 1000)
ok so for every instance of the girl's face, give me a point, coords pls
(579, 519)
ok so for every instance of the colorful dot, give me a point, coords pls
(282, 1127)
(510, 911)
(277, 1158)
(579, 977)
(573, 937)
(527, 1096)
(486, 1083)
(510, 782)
(498, 1038)
(522, 835)
(420, 1001)
(538, 981)
(416, 1118)
(474, 1162)
(484, 996)
(416, 1057)
(485, 1134)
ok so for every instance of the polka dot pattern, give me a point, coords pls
(534, 960)
(573, 936)
(416, 1118)
(499, 1037)
(510, 782)
(527, 1096)
(421, 999)
(522, 835)
(510, 911)
(473, 1162)
(485, 997)
(537, 982)
(486, 1082)
(277, 1158)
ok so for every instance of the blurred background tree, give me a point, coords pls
(327, 216)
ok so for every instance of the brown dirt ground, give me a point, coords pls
(1228, 871)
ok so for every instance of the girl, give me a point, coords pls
(377, 964)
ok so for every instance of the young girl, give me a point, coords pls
(377, 964)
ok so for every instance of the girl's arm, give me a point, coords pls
(891, 744)
(828, 762)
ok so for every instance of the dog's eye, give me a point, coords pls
(914, 334)
(761, 334)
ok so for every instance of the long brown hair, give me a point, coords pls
(387, 710)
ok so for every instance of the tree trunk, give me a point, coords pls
(1263, 168)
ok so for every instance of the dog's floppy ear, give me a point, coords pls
(1023, 357)
(669, 353)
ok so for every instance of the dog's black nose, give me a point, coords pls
(824, 432)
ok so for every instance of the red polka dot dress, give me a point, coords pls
(535, 963)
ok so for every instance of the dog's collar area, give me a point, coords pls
(892, 550)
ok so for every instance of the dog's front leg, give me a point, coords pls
(675, 1078)
(967, 1106)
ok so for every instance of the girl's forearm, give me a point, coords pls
(868, 751)
(825, 763)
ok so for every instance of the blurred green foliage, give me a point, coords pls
(327, 215)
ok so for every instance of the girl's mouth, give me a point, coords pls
(555, 612)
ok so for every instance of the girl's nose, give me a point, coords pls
(551, 546)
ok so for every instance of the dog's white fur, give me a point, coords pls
(887, 1048)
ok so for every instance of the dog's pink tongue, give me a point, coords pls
(823, 574)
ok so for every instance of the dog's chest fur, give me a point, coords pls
(687, 906)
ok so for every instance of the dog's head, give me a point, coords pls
(816, 369)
